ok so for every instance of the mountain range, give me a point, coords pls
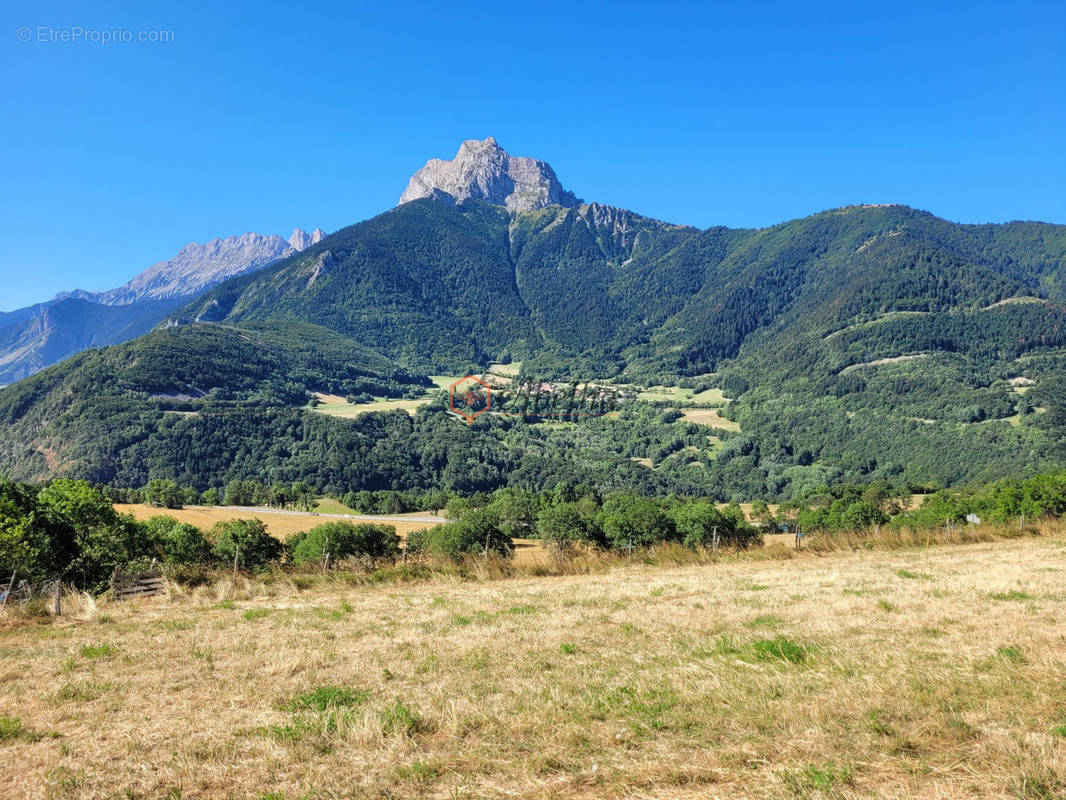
(34, 337)
(867, 342)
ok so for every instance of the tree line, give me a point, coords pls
(70, 530)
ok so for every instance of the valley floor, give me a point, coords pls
(927, 673)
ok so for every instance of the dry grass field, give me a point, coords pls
(655, 394)
(918, 673)
(280, 524)
(709, 416)
(284, 524)
(337, 406)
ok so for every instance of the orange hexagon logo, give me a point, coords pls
(469, 397)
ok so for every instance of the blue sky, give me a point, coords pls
(265, 116)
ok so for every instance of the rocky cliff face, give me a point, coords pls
(37, 336)
(485, 171)
(197, 267)
(301, 239)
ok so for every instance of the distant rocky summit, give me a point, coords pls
(301, 239)
(34, 337)
(197, 267)
(485, 171)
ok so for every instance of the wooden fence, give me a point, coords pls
(125, 586)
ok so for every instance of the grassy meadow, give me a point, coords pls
(337, 406)
(709, 416)
(921, 672)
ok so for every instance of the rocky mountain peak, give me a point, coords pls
(485, 171)
(197, 267)
(301, 239)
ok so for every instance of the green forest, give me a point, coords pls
(858, 345)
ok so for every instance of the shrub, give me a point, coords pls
(75, 531)
(698, 521)
(465, 536)
(628, 518)
(343, 539)
(562, 524)
(177, 542)
(246, 542)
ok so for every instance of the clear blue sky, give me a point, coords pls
(262, 116)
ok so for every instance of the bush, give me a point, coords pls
(245, 541)
(85, 537)
(465, 536)
(343, 539)
(631, 519)
(563, 524)
(177, 542)
(698, 521)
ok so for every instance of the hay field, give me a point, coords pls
(281, 524)
(284, 524)
(709, 416)
(710, 397)
(337, 406)
(922, 673)
(654, 394)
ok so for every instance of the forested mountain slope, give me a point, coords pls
(860, 343)
(87, 415)
(432, 284)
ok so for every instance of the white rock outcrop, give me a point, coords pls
(197, 267)
(485, 171)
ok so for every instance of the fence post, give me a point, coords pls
(58, 606)
(10, 588)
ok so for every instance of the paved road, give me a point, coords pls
(355, 517)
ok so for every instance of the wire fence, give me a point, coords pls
(18, 593)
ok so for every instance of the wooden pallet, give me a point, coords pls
(126, 586)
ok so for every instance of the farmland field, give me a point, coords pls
(710, 397)
(337, 406)
(928, 673)
(709, 416)
(656, 394)
(281, 524)
(284, 524)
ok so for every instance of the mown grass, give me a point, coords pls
(744, 677)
